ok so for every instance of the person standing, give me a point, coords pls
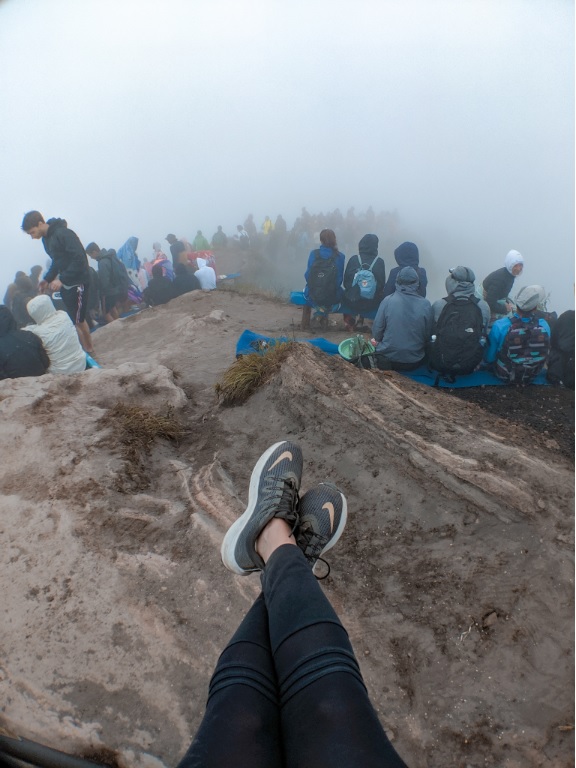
(69, 272)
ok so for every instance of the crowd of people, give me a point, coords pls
(473, 327)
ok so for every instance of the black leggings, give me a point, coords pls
(287, 690)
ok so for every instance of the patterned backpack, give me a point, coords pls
(524, 352)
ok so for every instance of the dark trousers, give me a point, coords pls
(378, 360)
(287, 690)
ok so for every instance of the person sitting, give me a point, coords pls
(159, 290)
(561, 360)
(406, 255)
(21, 352)
(205, 275)
(184, 281)
(287, 689)
(364, 281)
(25, 290)
(460, 325)
(200, 243)
(58, 335)
(324, 275)
(519, 346)
(219, 238)
(402, 327)
(161, 259)
(497, 286)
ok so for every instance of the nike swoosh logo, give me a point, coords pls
(330, 507)
(285, 455)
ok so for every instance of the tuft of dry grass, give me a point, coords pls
(135, 429)
(250, 372)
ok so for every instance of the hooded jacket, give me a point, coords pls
(406, 255)
(460, 284)
(69, 260)
(367, 252)
(21, 352)
(498, 285)
(112, 275)
(58, 336)
(403, 323)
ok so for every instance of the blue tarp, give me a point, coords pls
(250, 343)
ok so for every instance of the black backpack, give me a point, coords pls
(459, 331)
(323, 281)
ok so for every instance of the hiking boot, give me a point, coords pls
(274, 487)
(323, 513)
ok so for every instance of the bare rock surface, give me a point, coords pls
(454, 576)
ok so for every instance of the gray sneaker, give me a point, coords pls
(274, 487)
(323, 513)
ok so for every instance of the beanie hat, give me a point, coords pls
(529, 297)
(407, 276)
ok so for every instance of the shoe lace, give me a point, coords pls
(286, 501)
(312, 543)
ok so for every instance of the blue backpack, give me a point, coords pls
(365, 280)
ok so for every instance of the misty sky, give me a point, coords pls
(132, 117)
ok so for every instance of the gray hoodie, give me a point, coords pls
(460, 284)
(404, 320)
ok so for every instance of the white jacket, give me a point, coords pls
(58, 335)
(206, 275)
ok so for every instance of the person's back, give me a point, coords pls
(22, 353)
(184, 281)
(25, 290)
(160, 290)
(219, 239)
(200, 243)
(325, 272)
(460, 325)
(58, 335)
(561, 360)
(365, 276)
(406, 255)
(403, 323)
(519, 346)
(205, 275)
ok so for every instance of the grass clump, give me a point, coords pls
(250, 372)
(135, 429)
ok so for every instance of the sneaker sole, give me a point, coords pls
(228, 548)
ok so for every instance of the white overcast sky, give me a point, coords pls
(133, 117)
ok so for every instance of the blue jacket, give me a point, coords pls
(326, 253)
(499, 331)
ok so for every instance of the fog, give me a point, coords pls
(142, 118)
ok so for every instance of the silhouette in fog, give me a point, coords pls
(219, 238)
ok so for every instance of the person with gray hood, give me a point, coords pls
(460, 285)
(403, 326)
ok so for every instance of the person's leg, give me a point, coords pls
(326, 715)
(241, 725)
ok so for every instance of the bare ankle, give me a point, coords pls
(274, 535)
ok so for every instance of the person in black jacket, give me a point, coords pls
(406, 255)
(561, 360)
(185, 280)
(367, 258)
(498, 285)
(113, 280)
(21, 352)
(25, 290)
(160, 290)
(69, 272)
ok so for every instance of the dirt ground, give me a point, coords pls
(454, 576)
